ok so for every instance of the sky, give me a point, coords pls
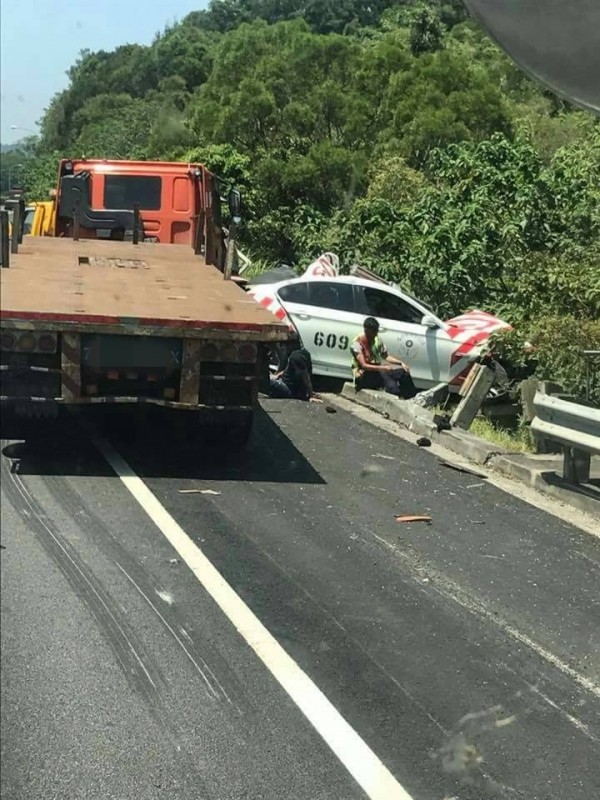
(41, 39)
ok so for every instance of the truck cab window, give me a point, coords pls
(124, 191)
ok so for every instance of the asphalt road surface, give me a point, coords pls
(283, 637)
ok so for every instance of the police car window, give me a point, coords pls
(389, 306)
(331, 294)
(294, 293)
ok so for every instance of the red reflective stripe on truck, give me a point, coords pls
(108, 320)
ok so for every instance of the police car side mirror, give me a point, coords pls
(429, 322)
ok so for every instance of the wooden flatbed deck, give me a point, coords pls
(120, 287)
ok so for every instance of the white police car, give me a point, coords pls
(327, 310)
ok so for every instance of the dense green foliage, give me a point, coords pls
(394, 133)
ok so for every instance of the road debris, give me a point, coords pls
(381, 455)
(370, 469)
(461, 468)
(198, 491)
(475, 485)
(424, 442)
(167, 597)
(330, 410)
(442, 422)
(413, 518)
(173, 562)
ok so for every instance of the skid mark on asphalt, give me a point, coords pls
(352, 751)
(209, 686)
(141, 673)
(451, 591)
(168, 614)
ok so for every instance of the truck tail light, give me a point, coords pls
(247, 352)
(229, 352)
(8, 341)
(27, 342)
(46, 343)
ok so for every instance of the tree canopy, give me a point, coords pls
(394, 132)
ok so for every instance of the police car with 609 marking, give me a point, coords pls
(327, 311)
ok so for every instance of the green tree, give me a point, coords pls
(426, 32)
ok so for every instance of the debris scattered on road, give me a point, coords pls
(330, 410)
(424, 442)
(475, 485)
(380, 455)
(198, 491)
(461, 468)
(442, 422)
(413, 518)
(173, 562)
(477, 521)
(370, 469)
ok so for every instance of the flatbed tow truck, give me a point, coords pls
(87, 321)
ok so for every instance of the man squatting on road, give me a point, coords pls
(374, 368)
(295, 381)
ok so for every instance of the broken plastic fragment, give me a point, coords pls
(198, 491)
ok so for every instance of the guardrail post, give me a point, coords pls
(4, 240)
(22, 219)
(136, 224)
(16, 227)
(474, 391)
(76, 219)
(230, 254)
(576, 465)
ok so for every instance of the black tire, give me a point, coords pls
(238, 433)
(230, 431)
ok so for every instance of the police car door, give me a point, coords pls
(404, 336)
(324, 316)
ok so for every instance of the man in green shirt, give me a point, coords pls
(374, 368)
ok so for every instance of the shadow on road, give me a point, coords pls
(590, 489)
(155, 444)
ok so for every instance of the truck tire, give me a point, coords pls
(238, 432)
(231, 431)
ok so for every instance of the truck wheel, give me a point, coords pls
(238, 432)
(232, 431)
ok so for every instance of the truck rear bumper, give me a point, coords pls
(188, 374)
(25, 401)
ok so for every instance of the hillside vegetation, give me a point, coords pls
(394, 133)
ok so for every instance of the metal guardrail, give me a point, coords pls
(575, 426)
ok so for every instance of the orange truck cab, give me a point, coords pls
(157, 201)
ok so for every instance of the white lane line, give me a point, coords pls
(356, 756)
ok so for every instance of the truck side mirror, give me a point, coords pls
(235, 204)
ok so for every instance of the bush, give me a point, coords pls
(559, 342)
